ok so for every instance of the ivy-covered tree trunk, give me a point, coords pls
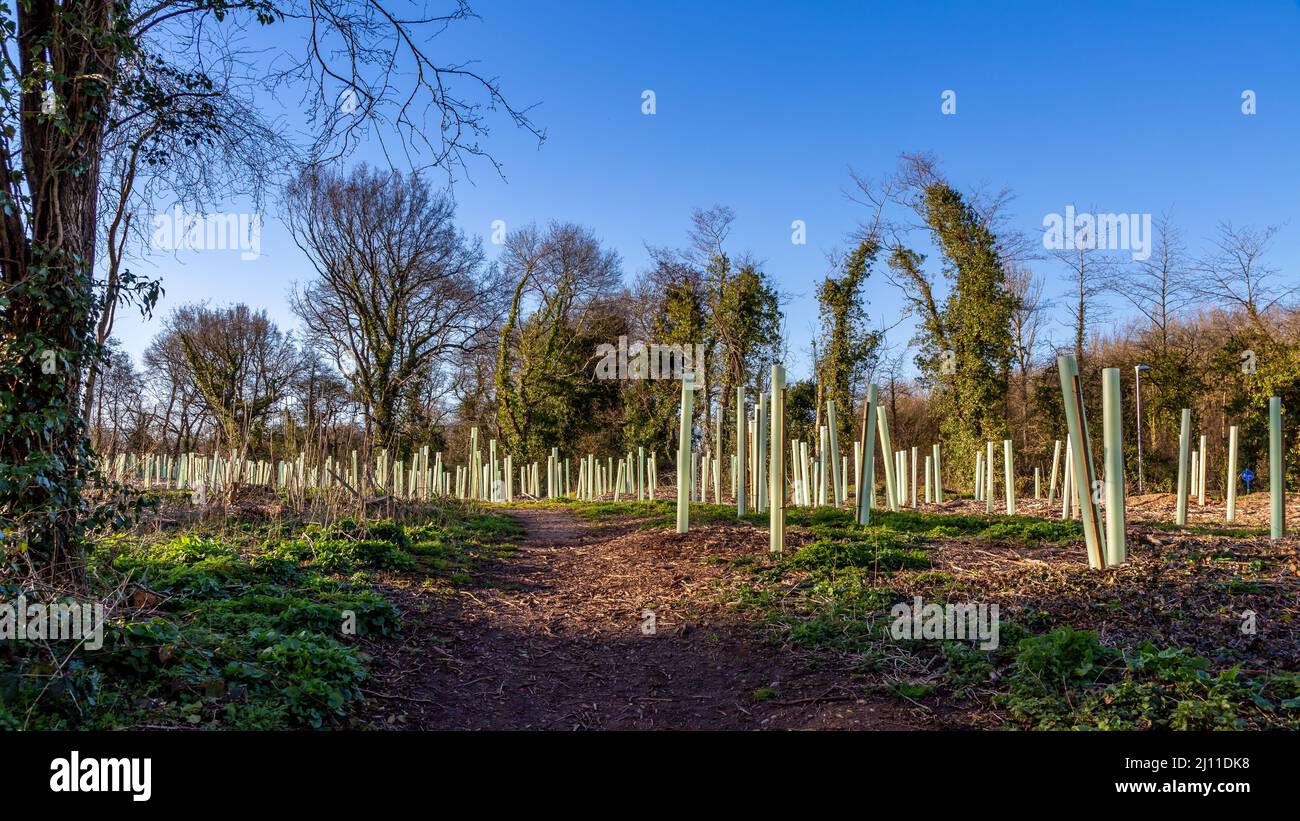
(847, 347)
(67, 55)
(512, 412)
(966, 344)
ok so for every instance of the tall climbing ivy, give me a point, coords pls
(965, 341)
(847, 344)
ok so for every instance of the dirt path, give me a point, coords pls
(557, 637)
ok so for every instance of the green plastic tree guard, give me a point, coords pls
(839, 479)
(684, 454)
(1077, 423)
(760, 474)
(741, 425)
(938, 477)
(988, 477)
(1276, 473)
(1232, 474)
(928, 468)
(1200, 472)
(1113, 456)
(823, 468)
(888, 457)
(912, 465)
(1056, 465)
(1184, 445)
(866, 477)
(776, 473)
(1009, 476)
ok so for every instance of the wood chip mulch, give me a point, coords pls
(555, 638)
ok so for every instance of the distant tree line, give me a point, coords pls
(409, 335)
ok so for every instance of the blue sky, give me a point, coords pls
(766, 106)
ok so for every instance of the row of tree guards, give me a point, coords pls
(490, 476)
(820, 476)
(760, 479)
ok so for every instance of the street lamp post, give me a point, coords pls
(1137, 398)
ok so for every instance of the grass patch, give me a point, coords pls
(216, 636)
(455, 548)
(1067, 679)
(910, 690)
(878, 550)
(834, 594)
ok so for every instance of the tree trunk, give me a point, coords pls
(47, 256)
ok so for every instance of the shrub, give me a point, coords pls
(1051, 669)
(315, 676)
(343, 556)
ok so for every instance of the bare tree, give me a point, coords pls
(240, 362)
(400, 291)
(168, 377)
(120, 409)
(1235, 272)
(320, 397)
(710, 228)
(893, 371)
(146, 163)
(1027, 320)
(1088, 271)
(1158, 286)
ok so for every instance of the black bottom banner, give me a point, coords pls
(331, 770)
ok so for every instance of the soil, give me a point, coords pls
(1253, 509)
(558, 637)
